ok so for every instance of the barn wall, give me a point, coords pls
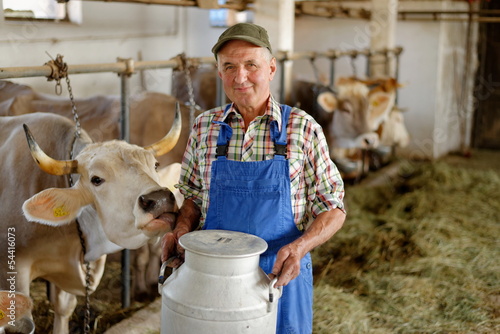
(200, 37)
(417, 71)
(429, 65)
(321, 34)
(438, 109)
(419, 74)
(108, 31)
(452, 115)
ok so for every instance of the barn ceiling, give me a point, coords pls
(357, 9)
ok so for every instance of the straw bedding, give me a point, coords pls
(418, 254)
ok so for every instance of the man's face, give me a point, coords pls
(246, 71)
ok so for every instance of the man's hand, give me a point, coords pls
(170, 247)
(287, 265)
(187, 221)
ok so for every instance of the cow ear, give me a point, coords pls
(327, 101)
(380, 106)
(54, 206)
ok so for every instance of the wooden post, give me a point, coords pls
(383, 30)
(278, 17)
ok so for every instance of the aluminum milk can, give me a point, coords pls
(220, 288)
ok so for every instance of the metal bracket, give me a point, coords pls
(129, 65)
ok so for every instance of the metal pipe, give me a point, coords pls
(481, 19)
(332, 71)
(121, 67)
(220, 99)
(282, 55)
(154, 2)
(125, 108)
(330, 9)
(125, 135)
(368, 65)
(125, 276)
(118, 67)
(396, 76)
(282, 80)
(243, 5)
(454, 12)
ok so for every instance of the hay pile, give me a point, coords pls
(105, 305)
(416, 255)
(419, 254)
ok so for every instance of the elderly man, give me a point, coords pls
(259, 167)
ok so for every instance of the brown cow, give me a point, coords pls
(350, 114)
(14, 306)
(100, 115)
(203, 82)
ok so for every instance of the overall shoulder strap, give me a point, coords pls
(278, 137)
(225, 134)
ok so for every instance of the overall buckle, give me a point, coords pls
(280, 149)
(221, 151)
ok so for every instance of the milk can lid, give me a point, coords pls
(222, 243)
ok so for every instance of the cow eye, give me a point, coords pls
(96, 180)
(157, 164)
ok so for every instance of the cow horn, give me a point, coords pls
(167, 143)
(46, 163)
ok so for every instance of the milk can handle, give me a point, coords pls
(161, 277)
(271, 290)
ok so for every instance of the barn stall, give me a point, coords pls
(438, 115)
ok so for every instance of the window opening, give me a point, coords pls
(227, 17)
(42, 10)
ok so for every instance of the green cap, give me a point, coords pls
(248, 32)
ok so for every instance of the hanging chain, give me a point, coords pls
(86, 318)
(312, 60)
(78, 126)
(318, 86)
(192, 103)
(353, 64)
(60, 70)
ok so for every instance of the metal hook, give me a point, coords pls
(312, 60)
(354, 55)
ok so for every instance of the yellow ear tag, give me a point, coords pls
(60, 212)
(2, 315)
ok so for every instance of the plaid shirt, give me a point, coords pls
(316, 185)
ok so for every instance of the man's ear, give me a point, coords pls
(273, 68)
(54, 206)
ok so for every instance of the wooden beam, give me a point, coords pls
(154, 2)
(238, 5)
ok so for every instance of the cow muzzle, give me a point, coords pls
(161, 206)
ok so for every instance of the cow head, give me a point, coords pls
(361, 110)
(118, 180)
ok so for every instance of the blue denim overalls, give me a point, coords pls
(254, 197)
